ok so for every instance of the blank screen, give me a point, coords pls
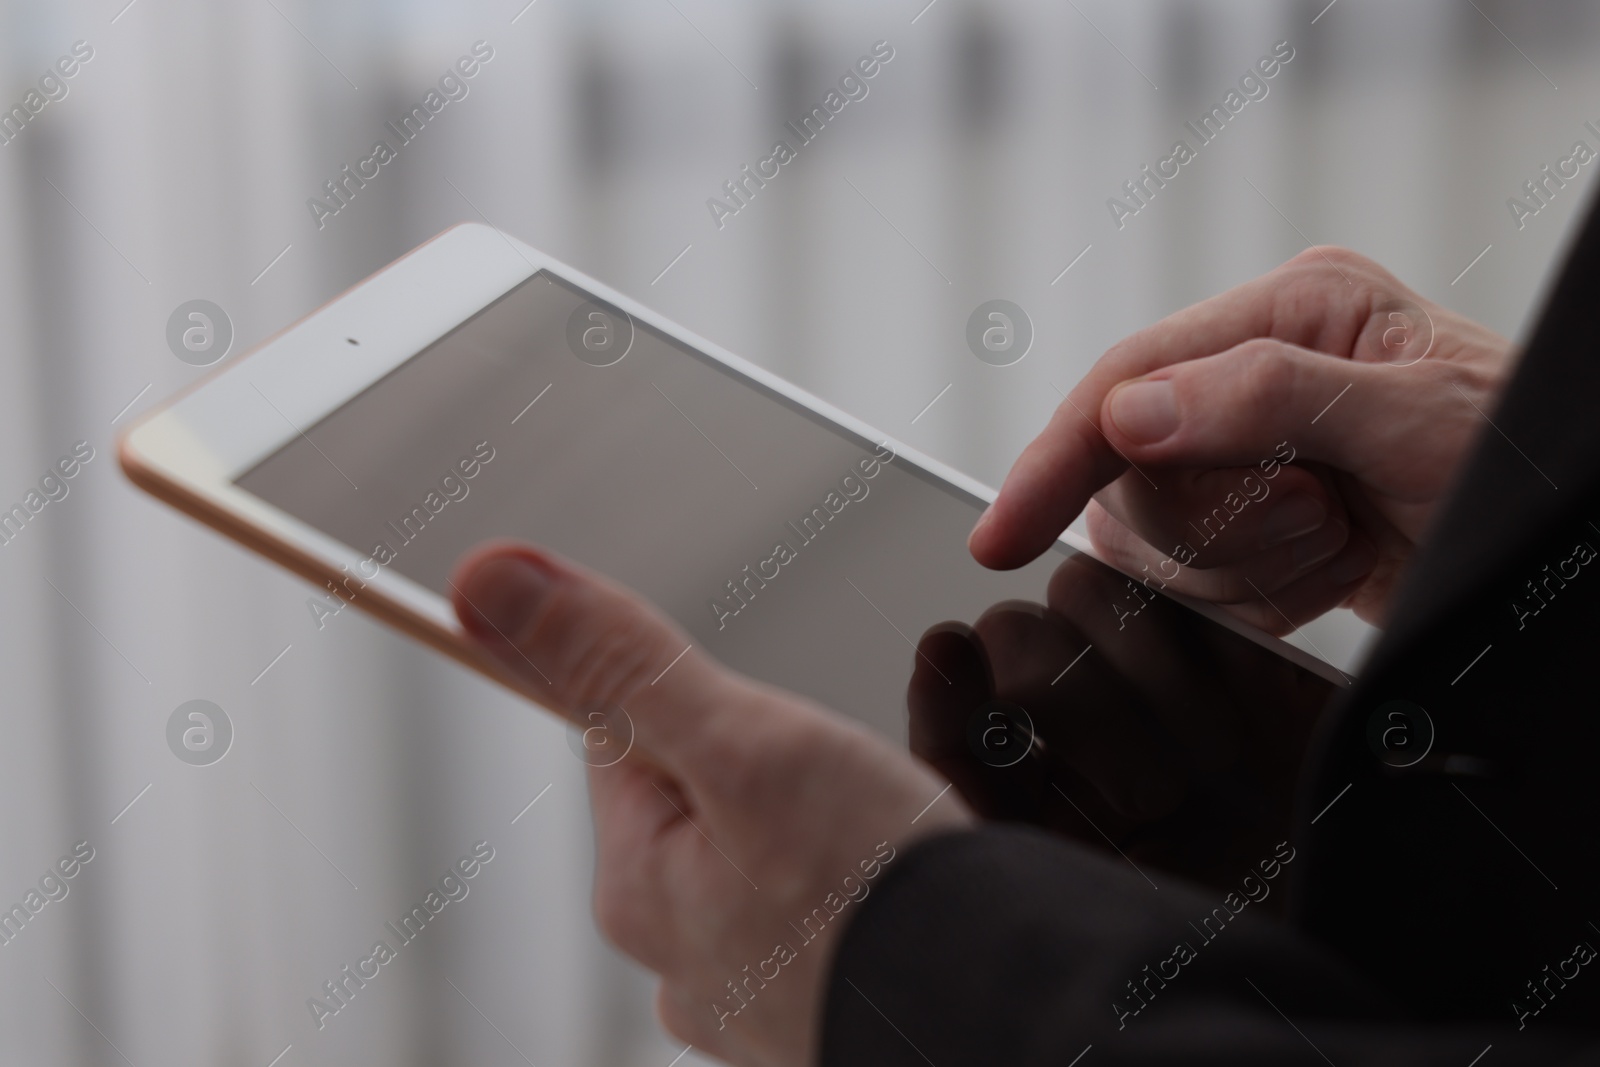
(788, 548)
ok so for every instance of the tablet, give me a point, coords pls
(477, 388)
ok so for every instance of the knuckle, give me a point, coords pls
(1439, 377)
(1128, 548)
(1445, 377)
(1319, 257)
(1114, 364)
(1264, 375)
(1350, 273)
(1452, 390)
(1108, 536)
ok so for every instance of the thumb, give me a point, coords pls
(587, 648)
(1241, 406)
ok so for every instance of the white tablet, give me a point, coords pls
(476, 388)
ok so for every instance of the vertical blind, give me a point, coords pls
(181, 160)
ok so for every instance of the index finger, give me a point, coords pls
(1319, 300)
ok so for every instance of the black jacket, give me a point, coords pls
(1439, 912)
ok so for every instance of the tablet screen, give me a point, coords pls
(790, 549)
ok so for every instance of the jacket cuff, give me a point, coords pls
(975, 938)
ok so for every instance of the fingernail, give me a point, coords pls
(1356, 563)
(1145, 412)
(1297, 515)
(1318, 546)
(506, 593)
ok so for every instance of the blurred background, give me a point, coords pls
(178, 166)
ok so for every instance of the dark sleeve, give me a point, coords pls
(1011, 946)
